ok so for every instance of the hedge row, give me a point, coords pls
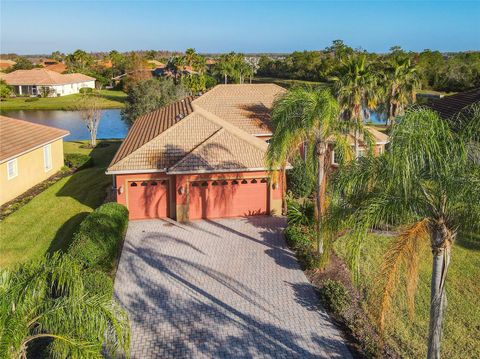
(97, 243)
(301, 239)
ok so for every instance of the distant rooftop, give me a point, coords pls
(449, 106)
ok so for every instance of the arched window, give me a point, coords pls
(144, 184)
(224, 183)
(214, 183)
(234, 182)
(244, 181)
(133, 184)
(153, 183)
(264, 180)
(163, 183)
(253, 181)
(194, 184)
(204, 184)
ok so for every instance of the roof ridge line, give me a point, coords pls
(213, 135)
(236, 131)
(153, 139)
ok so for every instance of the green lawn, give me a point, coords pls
(47, 222)
(462, 323)
(287, 83)
(110, 99)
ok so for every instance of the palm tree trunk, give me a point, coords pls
(225, 76)
(320, 150)
(441, 243)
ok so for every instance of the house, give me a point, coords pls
(33, 82)
(449, 107)
(29, 154)
(201, 157)
(6, 64)
(59, 67)
(379, 139)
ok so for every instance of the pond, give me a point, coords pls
(111, 124)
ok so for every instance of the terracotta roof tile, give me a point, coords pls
(17, 136)
(147, 127)
(221, 152)
(246, 106)
(43, 76)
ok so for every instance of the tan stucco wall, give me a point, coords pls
(31, 171)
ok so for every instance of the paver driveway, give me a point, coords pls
(227, 288)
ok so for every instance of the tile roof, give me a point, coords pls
(170, 146)
(246, 106)
(59, 67)
(221, 152)
(147, 127)
(17, 136)
(43, 76)
(216, 134)
(449, 106)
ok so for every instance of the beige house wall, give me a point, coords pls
(31, 171)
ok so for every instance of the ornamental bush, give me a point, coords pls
(99, 237)
(77, 161)
(335, 296)
(299, 182)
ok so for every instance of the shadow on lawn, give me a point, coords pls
(63, 237)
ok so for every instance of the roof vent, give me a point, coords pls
(179, 116)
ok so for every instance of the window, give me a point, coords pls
(47, 157)
(335, 159)
(12, 169)
(381, 149)
(361, 153)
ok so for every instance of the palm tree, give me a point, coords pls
(305, 115)
(355, 87)
(428, 186)
(46, 302)
(223, 67)
(400, 81)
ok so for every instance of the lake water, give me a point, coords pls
(111, 123)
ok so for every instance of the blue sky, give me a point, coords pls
(247, 26)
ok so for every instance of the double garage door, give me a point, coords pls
(206, 199)
(228, 198)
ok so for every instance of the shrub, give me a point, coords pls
(78, 161)
(300, 239)
(299, 182)
(300, 213)
(335, 296)
(86, 90)
(97, 241)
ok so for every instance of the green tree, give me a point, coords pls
(149, 95)
(224, 67)
(21, 63)
(46, 302)
(400, 81)
(428, 186)
(356, 89)
(5, 90)
(79, 61)
(305, 115)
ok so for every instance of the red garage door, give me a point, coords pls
(228, 198)
(148, 199)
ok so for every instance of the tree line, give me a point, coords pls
(450, 72)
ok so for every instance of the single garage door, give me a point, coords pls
(148, 199)
(228, 198)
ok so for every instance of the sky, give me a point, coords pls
(40, 27)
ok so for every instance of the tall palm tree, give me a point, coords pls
(428, 186)
(223, 67)
(355, 88)
(305, 115)
(400, 81)
(46, 301)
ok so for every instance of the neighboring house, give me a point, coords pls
(379, 139)
(29, 154)
(6, 64)
(450, 106)
(31, 82)
(59, 67)
(201, 157)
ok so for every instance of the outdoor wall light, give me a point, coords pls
(181, 190)
(274, 186)
(121, 189)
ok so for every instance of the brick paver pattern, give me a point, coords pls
(226, 288)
